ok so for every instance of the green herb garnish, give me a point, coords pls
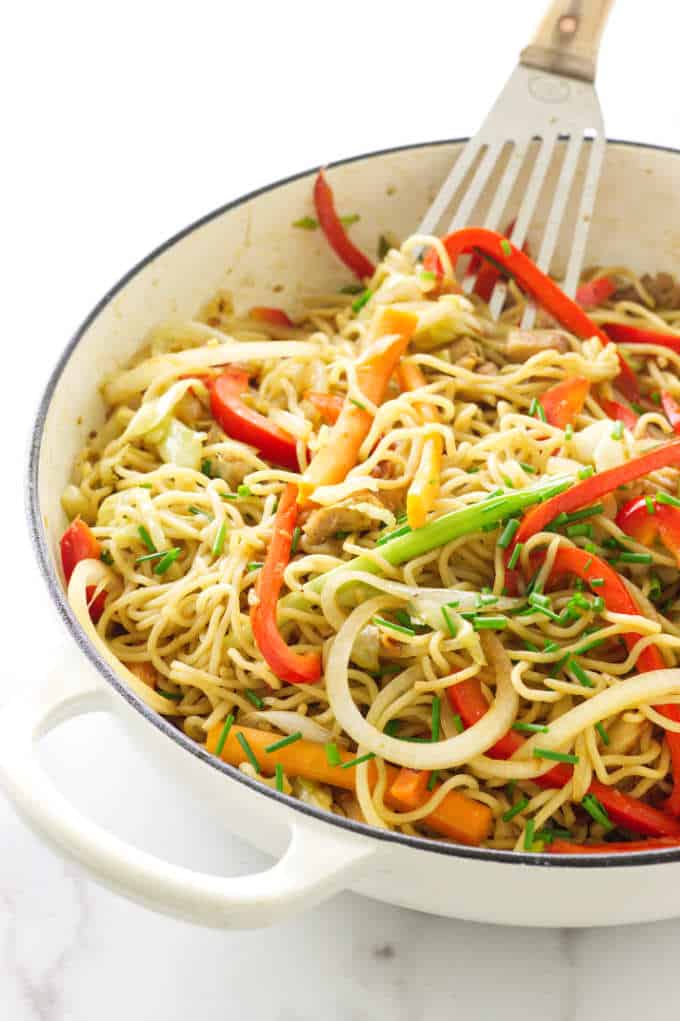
(106, 557)
(218, 544)
(530, 728)
(332, 754)
(357, 762)
(597, 810)
(243, 741)
(547, 753)
(508, 533)
(297, 532)
(362, 300)
(516, 553)
(518, 807)
(167, 560)
(206, 467)
(278, 772)
(284, 742)
(489, 623)
(436, 717)
(381, 622)
(600, 728)
(450, 624)
(224, 734)
(306, 223)
(253, 697)
(146, 539)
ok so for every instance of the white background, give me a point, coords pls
(122, 123)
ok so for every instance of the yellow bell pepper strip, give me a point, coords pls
(373, 369)
(288, 665)
(457, 817)
(424, 488)
(531, 279)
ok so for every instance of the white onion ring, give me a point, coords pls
(440, 755)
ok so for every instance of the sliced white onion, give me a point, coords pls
(424, 601)
(93, 572)
(439, 755)
(290, 723)
(124, 385)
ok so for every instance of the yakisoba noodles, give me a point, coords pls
(419, 657)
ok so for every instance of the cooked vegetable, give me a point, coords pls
(671, 410)
(456, 817)
(242, 423)
(564, 401)
(288, 665)
(424, 489)
(76, 544)
(274, 316)
(335, 232)
(329, 406)
(595, 292)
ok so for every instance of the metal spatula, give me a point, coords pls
(549, 98)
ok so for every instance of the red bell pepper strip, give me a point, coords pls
(288, 665)
(590, 490)
(530, 278)
(242, 423)
(622, 333)
(468, 699)
(595, 292)
(76, 544)
(671, 409)
(564, 401)
(488, 274)
(619, 412)
(274, 316)
(329, 406)
(336, 235)
(635, 520)
(615, 847)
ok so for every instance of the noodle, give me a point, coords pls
(184, 514)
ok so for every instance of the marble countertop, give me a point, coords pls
(126, 128)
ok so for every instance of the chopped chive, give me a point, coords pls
(306, 223)
(144, 485)
(404, 530)
(529, 835)
(450, 624)
(569, 432)
(341, 535)
(391, 728)
(284, 742)
(539, 600)
(611, 543)
(174, 696)
(547, 753)
(474, 470)
(458, 722)
(297, 532)
(518, 807)
(381, 622)
(551, 647)
(516, 553)
(357, 404)
(588, 564)
(403, 618)
(650, 505)
(509, 789)
(362, 300)
(229, 496)
(197, 510)
(617, 431)
(494, 494)
(600, 728)
(243, 492)
(574, 531)
(206, 467)
(357, 762)
(436, 717)
(485, 599)
(146, 539)
(489, 623)
(579, 673)
(224, 734)
(536, 409)
(528, 468)
(388, 668)
(597, 810)
(383, 246)
(150, 556)
(253, 697)
(530, 647)
(218, 545)
(597, 605)
(427, 274)
(432, 782)
(586, 512)
(278, 770)
(670, 501)
(596, 582)
(254, 565)
(654, 587)
(243, 741)
(506, 247)
(656, 397)
(508, 533)
(635, 558)
(167, 560)
(352, 289)
(332, 754)
(490, 527)
(106, 557)
(585, 473)
(347, 221)
(530, 728)
(590, 547)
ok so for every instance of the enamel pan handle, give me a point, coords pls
(315, 865)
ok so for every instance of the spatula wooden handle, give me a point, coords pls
(568, 38)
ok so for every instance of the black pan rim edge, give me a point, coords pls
(39, 540)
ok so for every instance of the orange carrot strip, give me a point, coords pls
(457, 817)
(410, 787)
(329, 406)
(339, 455)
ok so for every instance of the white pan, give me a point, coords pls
(249, 248)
